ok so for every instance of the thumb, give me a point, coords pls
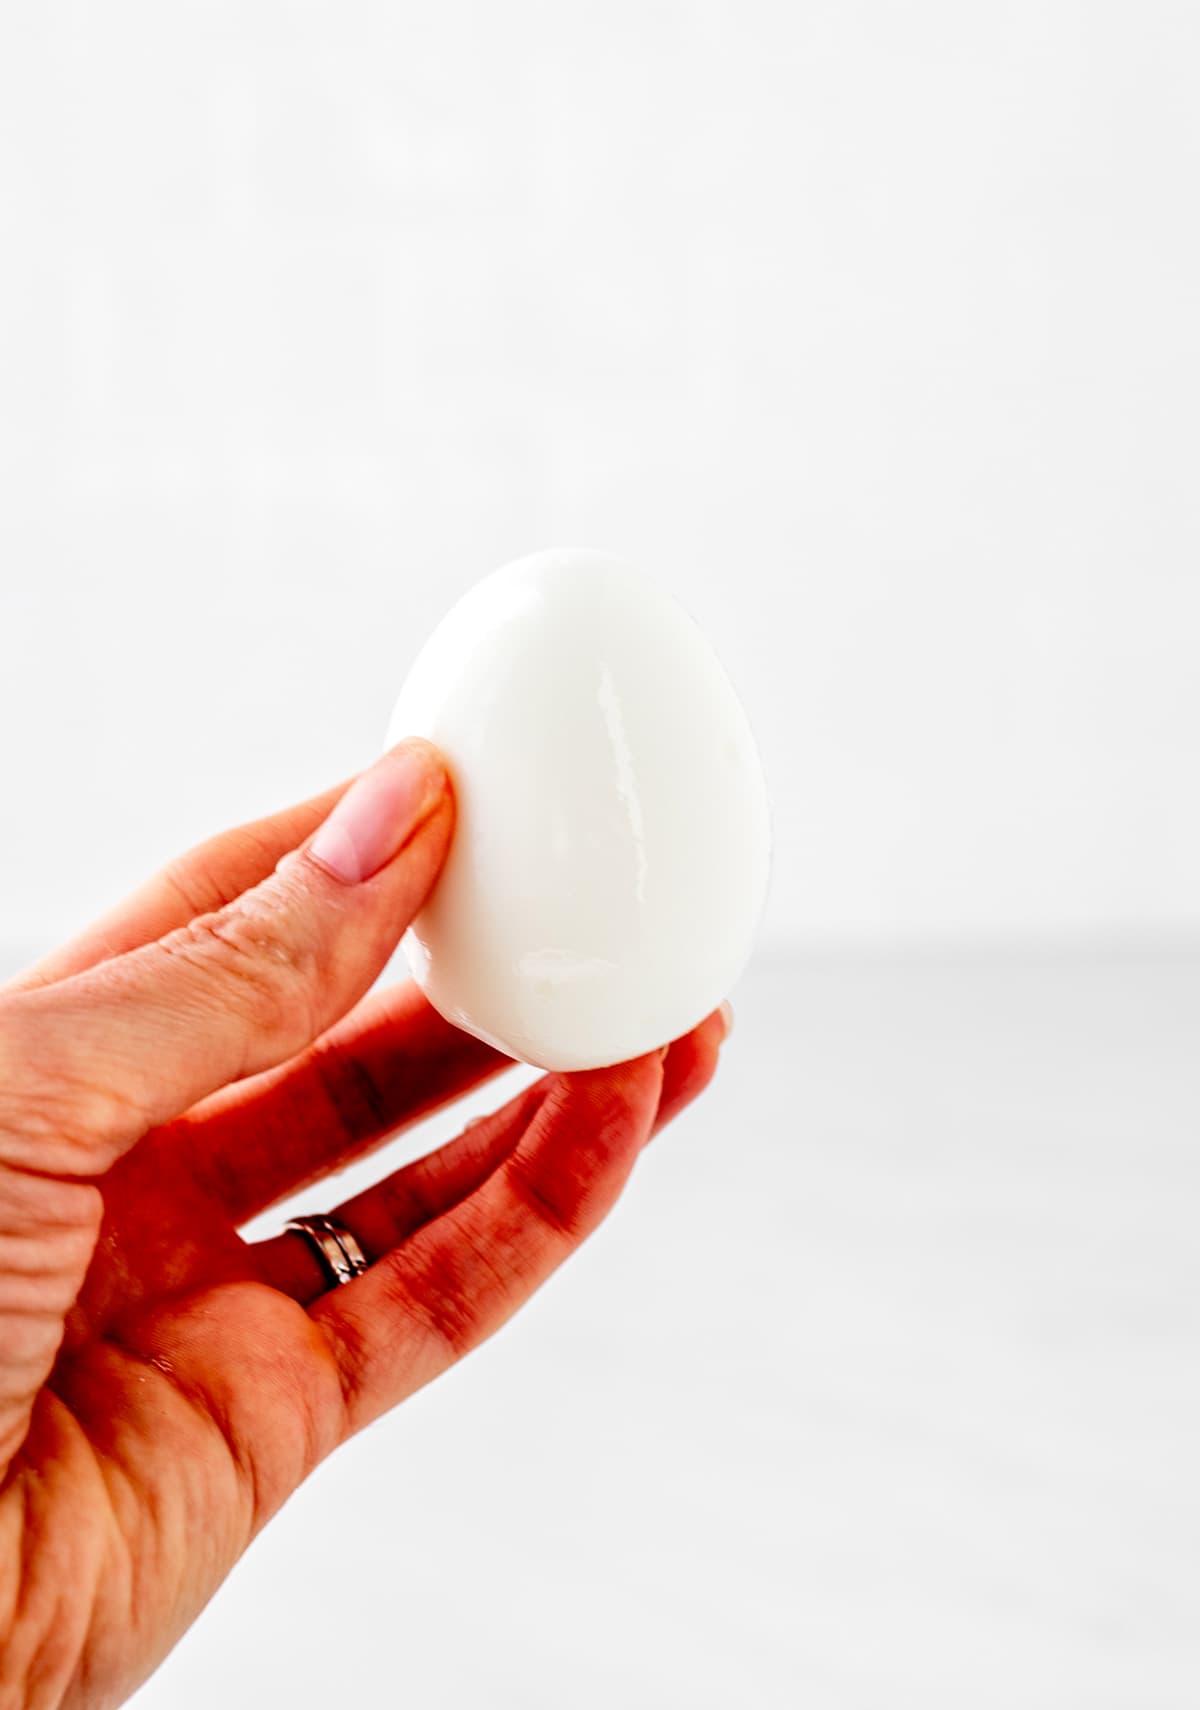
(87, 1065)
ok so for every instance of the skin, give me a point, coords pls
(199, 1055)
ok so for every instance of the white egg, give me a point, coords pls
(610, 855)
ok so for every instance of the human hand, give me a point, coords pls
(202, 1053)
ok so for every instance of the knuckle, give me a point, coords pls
(572, 1173)
(603, 1105)
(48, 1231)
(351, 1092)
(557, 1200)
(54, 1111)
(447, 1291)
(259, 962)
(438, 1297)
(429, 1302)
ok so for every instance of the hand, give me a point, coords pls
(165, 1384)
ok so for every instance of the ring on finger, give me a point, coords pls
(336, 1247)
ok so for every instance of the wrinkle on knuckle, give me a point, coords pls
(351, 1091)
(255, 961)
(556, 1204)
(570, 1180)
(27, 1096)
(48, 1233)
(48, 1207)
(62, 1122)
(348, 1351)
(607, 1107)
(594, 1111)
(438, 1297)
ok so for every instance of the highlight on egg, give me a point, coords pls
(610, 856)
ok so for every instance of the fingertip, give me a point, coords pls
(381, 812)
(418, 751)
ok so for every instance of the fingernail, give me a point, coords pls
(378, 812)
(727, 1018)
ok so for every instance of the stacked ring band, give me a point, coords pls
(341, 1257)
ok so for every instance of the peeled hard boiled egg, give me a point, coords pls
(610, 854)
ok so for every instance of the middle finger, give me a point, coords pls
(390, 1212)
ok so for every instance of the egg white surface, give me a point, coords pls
(611, 849)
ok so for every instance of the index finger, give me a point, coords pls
(207, 877)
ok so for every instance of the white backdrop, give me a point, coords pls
(871, 329)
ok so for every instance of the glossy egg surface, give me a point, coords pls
(610, 855)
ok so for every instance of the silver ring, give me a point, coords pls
(342, 1259)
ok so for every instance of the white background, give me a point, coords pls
(872, 329)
